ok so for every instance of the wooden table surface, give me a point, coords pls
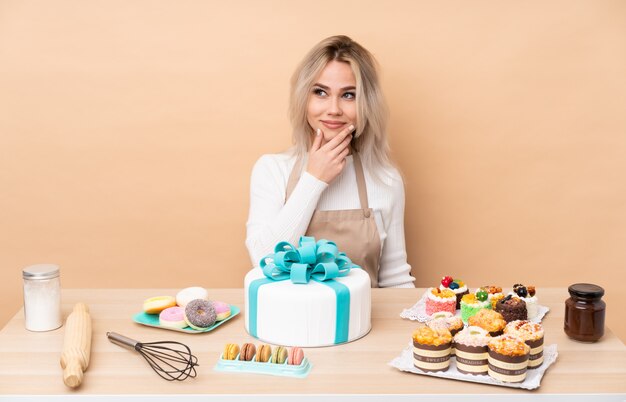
(30, 360)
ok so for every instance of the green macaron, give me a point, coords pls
(280, 355)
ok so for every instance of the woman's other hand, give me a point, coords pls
(327, 159)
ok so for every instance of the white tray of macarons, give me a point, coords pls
(190, 311)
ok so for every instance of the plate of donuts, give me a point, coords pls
(190, 311)
(152, 320)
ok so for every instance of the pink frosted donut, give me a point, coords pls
(222, 310)
(173, 317)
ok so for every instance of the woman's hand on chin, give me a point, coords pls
(327, 159)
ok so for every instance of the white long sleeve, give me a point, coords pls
(272, 220)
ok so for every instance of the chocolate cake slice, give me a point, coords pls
(512, 308)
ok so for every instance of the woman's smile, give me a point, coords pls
(333, 124)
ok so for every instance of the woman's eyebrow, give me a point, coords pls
(317, 84)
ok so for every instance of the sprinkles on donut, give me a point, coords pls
(200, 314)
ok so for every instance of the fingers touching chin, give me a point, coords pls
(330, 134)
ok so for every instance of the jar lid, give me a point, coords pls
(586, 290)
(41, 271)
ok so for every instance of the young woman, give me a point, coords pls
(337, 183)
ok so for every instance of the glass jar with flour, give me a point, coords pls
(42, 297)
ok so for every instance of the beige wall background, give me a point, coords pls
(128, 130)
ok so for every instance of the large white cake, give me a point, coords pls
(308, 315)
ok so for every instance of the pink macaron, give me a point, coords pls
(173, 317)
(222, 310)
(296, 355)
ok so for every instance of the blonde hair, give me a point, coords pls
(370, 139)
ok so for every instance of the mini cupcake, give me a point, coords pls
(527, 293)
(494, 299)
(494, 294)
(489, 320)
(473, 303)
(512, 308)
(532, 334)
(508, 358)
(455, 285)
(471, 350)
(440, 300)
(431, 348)
(445, 319)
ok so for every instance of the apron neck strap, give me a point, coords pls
(360, 181)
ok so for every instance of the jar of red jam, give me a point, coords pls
(584, 312)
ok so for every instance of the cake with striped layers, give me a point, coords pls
(471, 351)
(431, 348)
(508, 358)
(532, 334)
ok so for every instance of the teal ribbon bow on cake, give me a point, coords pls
(320, 261)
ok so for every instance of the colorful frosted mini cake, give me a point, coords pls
(471, 350)
(489, 320)
(473, 303)
(494, 293)
(431, 348)
(455, 285)
(527, 293)
(440, 300)
(532, 334)
(512, 308)
(508, 358)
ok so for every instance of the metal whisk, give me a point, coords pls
(170, 360)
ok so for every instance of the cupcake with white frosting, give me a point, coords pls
(471, 350)
(527, 293)
(447, 320)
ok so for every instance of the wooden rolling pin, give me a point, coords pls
(76, 345)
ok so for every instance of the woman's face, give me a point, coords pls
(332, 102)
